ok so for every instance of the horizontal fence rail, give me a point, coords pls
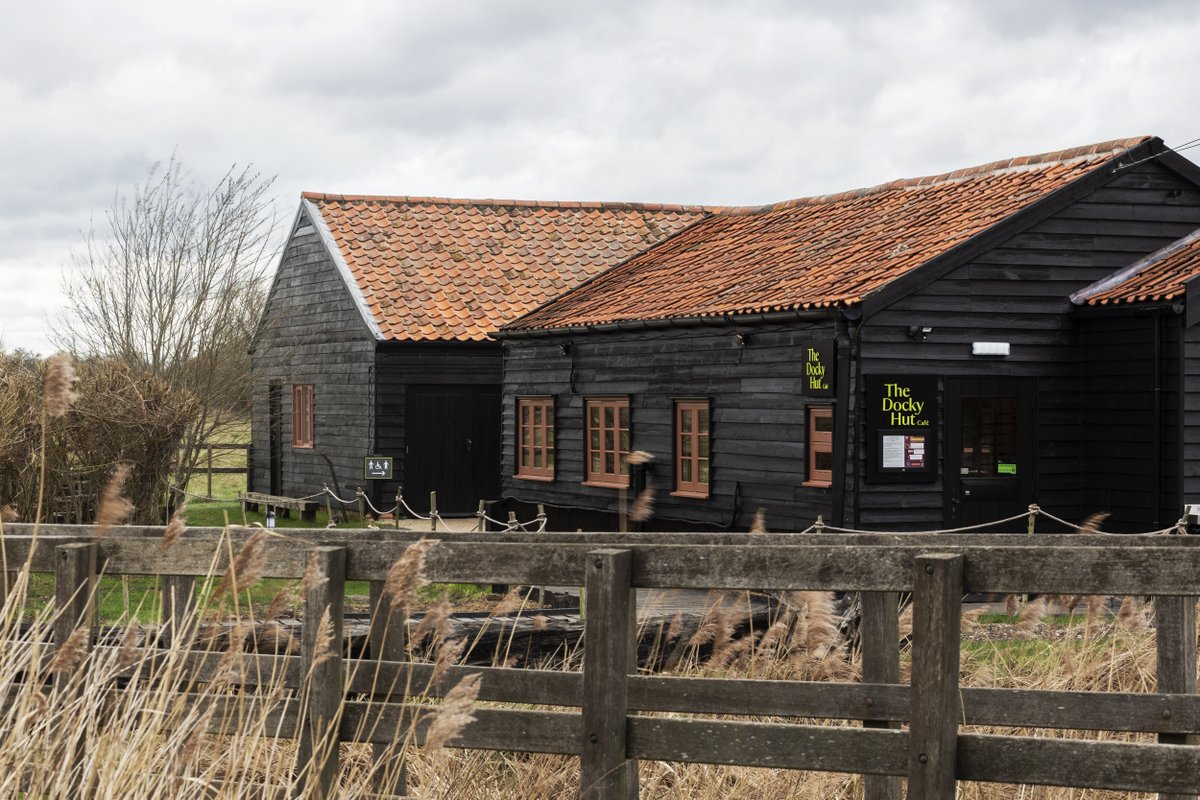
(610, 717)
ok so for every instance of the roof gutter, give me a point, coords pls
(1125, 273)
(760, 318)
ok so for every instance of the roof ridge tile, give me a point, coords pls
(328, 197)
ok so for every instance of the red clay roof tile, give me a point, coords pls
(1159, 277)
(816, 252)
(434, 268)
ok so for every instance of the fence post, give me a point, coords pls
(880, 642)
(210, 494)
(317, 749)
(388, 638)
(1175, 618)
(178, 603)
(609, 655)
(433, 511)
(74, 601)
(933, 720)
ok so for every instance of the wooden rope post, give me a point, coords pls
(178, 599)
(609, 655)
(481, 516)
(362, 504)
(933, 721)
(433, 511)
(1175, 618)
(74, 601)
(879, 634)
(317, 749)
(388, 638)
(396, 512)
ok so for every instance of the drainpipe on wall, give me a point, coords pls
(841, 420)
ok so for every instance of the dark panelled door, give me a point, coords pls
(990, 462)
(453, 447)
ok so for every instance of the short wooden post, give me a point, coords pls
(609, 655)
(879, 634)
(481, 517)
(317, 749)
(388, 638)
(178, 604)
(396, 513)
(362, 504)
(933, 722)
(74, 601)
(210, 494)
(1175, 618)
(433, 511)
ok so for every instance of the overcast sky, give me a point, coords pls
(729, 103)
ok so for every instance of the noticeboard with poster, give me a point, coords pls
(902, 432)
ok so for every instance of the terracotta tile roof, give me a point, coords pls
(434, 268)
(1158, 277)
(820, 251)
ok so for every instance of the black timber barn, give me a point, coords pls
(929, 353)
(374, 338)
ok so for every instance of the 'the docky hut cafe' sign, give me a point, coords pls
(902, 414)
(818, 370)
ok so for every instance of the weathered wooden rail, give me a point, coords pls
(612, 728)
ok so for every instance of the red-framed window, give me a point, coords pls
(820, 446)
(535, 438)
(607, 441)
(691, 448)
(302, 415)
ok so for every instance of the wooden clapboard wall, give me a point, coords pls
(312, 333)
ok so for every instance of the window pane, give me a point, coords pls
(703, 424)
(624, 416)
(595, 439)
(823, 422)
(704, 472)
(537, 415)
(525, 434)
(524, 414)
(537, 436)
(685, 446)
(549, 459)
(703, 446)
(595, 415)
(537, 458)
(550, 436)
(608, 439)
(685, 470)
(823, 460)
(625, 441)
(610, 465)
(685, 420)
(608, 416)
(596, 463)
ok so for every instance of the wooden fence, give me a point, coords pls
(610, 731)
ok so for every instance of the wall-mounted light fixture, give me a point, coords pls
(919, 333)
(743, 339)
(989, 348)
(564, 349)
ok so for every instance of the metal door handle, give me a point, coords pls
(966, 492)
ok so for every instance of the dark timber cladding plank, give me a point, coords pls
(808, 747)
(1079, 763)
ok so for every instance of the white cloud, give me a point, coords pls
(657, 100)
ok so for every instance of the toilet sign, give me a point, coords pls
(377, 468)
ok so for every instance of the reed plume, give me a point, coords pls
(643, 506)
(455, 713)
(175, 527)
(759, 525)
(407, 574)
(59, 391)
(246, 569)
(114, 507)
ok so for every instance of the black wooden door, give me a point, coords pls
(275, 426)
(990, 461)
(453, 447)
